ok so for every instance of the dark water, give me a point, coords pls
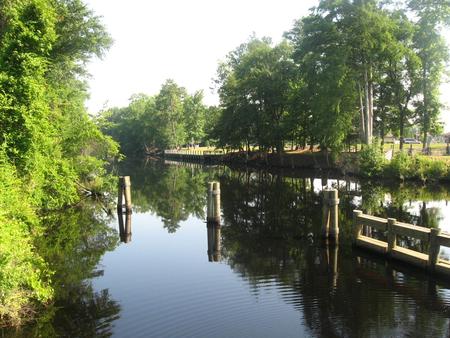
(270, 276)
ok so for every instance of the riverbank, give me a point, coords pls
(367, 163)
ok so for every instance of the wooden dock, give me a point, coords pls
(433, 238)
(200, 156)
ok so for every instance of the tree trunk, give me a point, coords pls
(425, 122)
(367, 109)
(362, 132)
(402, 127)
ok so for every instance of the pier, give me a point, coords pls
(201, 156)
(392, 229)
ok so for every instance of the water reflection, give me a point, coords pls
(268, 234)
(74, 244)
(340, 291)
(124, 227)
(214, 241)
(172, 192)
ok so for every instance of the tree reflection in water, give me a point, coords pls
(270, 231)
(74, 244)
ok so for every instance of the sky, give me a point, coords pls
(183, 40)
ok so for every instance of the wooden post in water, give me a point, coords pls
(127, 188)
(213, 221)
(357, 227)
(210, 203)
(433, 251)
(391, 235)
(330, 214)
(333, 202)
(216, 195)
(124, 189)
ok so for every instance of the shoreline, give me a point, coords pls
(343, 165)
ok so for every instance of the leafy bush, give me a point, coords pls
(371, 161)
(430, 170)
(24, 276)
(402, 166)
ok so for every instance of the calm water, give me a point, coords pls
(271, 276)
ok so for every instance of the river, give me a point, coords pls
(268, 275)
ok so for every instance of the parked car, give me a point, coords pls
(411, 141)
(391, 139)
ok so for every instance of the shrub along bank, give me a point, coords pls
(402, 166)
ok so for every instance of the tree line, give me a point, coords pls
(170, 119)
(349, 71)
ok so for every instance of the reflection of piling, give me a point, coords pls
(124, 189)
(124, 229)
(214, 245)
(213, 221)
(330, 214)
(332, 252)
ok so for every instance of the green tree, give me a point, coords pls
(194, 112)
(398, 85)
(169, 104)
(255, 84)
(344, 42)
(433, 53)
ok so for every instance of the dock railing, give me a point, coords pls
(193, 152)
(392, 228)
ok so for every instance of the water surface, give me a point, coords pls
(270, 275)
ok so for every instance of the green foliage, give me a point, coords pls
(170, 119)
(401, 166)
(404, 166)
(431, 170)
(24, 275)
(255, 85)
(49, 143)
(371, 161)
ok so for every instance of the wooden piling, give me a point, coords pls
(213, 221)
(357, 227)
(216, 195)
(124, 190)
(434, 248)
(391, 236)
(330, 214)
(127, 191)
(210, 203)
(120, 194)
(333, 202)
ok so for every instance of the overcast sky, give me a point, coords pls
(181, 40)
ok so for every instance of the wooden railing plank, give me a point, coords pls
(373, 221)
